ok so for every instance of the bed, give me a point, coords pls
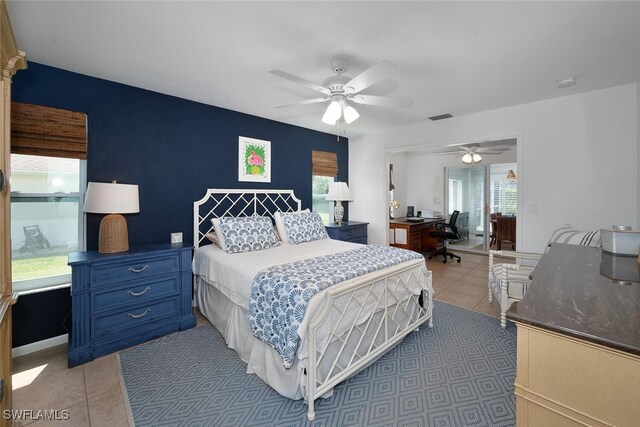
(346, 327)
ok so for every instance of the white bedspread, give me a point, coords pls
(234, 273)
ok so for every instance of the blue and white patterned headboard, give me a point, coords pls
(218, 203)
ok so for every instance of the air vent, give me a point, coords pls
(440, 117)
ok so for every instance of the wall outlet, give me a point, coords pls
(176, 238)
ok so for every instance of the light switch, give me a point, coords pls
(533, 208)
(176, 238)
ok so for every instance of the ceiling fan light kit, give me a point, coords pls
(339, 90)
(471, 158)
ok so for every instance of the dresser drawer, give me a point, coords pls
(134, 294)
(351, 233)
(114, 323)
(132, 270)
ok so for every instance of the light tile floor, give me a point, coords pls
(93, 392)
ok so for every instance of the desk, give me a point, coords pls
(416, 232)
(578, 342)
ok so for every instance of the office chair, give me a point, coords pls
(442, 234)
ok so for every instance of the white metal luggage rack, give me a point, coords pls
(388, 304)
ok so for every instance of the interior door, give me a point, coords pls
(11, 60)
(466, 191)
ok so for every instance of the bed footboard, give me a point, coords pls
(363, 319)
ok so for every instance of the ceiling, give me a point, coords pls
(452, 57)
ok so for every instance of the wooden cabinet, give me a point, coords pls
(11, 61)
(564, 381)
(349, 231)
(414, 235)
(119, 300)
(578, 345)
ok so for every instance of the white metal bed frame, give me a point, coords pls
(396, 310)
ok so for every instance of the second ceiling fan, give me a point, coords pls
(341, 91)
(471, 152)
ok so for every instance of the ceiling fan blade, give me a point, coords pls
(305, 102)
(448, 153)
(381, 101)
(490, 153)
(301, 81)
(485, 149)
(369, 76)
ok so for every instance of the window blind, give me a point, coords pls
(324, 163)
(45, 131)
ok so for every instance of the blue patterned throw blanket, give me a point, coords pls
(280, 294)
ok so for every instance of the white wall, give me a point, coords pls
(577, 161)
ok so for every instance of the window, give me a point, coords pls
(455, 195)
(324, 169)
(46, 219)
(504, 196)
(319, 192)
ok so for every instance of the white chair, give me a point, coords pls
(509, 282)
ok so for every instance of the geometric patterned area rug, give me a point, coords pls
(458, 373)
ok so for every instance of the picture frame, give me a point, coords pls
(254, 160)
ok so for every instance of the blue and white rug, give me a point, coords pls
(460, 373)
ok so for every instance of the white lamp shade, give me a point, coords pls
(111, 198)
(333, 113)
(339, 191)
(350, 114)
(469, 158)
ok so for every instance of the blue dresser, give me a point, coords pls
(119, 300)
(349, 231)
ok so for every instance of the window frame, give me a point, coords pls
(42, 284)
(331, 204)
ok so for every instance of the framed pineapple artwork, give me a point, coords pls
(254, 160)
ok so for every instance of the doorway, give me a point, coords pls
(481, 194)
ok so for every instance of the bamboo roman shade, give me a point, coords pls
(324, 163)
(46, 131)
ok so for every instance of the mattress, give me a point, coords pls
(234, 273)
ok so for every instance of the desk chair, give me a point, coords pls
(443, 235)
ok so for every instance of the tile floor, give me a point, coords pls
(93, 393)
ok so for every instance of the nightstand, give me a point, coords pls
(119, 300)
(349, 231)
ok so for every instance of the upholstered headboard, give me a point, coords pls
(218, 203)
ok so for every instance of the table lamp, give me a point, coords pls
(113, 199)
(339, 192)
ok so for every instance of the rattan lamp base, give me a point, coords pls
(114, 236)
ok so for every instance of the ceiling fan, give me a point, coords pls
(471, 152)
(341, 91)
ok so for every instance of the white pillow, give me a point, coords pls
(282, 232)
(304, 227)
(245, 234)
(218, 231)
(569, 235)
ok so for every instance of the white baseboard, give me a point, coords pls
(40, 345)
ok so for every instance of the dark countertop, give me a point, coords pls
(570, 295)
(403, 220)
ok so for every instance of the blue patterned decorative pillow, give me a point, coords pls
(303, 227)
(244, 234)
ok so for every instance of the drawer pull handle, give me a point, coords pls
(138, 270)
(137, 294)
(137, 316)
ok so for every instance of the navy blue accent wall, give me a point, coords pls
(42, 315)
(174, 149)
